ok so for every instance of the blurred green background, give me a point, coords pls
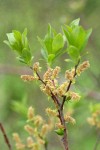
(16, 96)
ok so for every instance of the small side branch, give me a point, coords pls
(70, 82)
(5, 136)
(97, 142)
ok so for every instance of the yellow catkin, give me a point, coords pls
(38, 120)
(44, 130)
(16, 137)
(28, 78)
(70, 74)
(51, 112)
(47, 74)
(69, 119)
(41, 141)
(59, 125)
(36, 66)
(30, 113)
(91, 121)
(29, 129)
(30, 142)
(55, 72)
(35, 146)
(20, 146)
(82, 67)
(74, 96)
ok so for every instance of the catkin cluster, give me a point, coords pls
(94, 120)
(37, 130)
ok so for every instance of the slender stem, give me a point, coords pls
(5, 136)
(65, 136)
(61, 113)
(97, 142)
(69, 85)
(46, 146)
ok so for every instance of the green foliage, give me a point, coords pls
(77, 39)
(94, 107)
(19, 43)
(60, 131)
(52, 45)
(20, 107)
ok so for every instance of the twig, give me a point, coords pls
(5, 136)
(61, 114)
(70, 82)
(97, 142)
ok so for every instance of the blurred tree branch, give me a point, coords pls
(5, 136)
(11, 69)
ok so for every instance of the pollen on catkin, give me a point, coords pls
(30, 142)
(55, 72)
(36, 67)
(16, 137)
(82, 67)
(38, 120)
(59, 126)
(27, 78)
(69, 119)
(30, 113)
(74, 96)
(69, 74)
(51, 112)
(29, 129)
(44, 129)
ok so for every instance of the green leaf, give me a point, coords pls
(43, 50)
(58, 42)
(7, 42)
(87, 35)
(75, 22)
(51, 58)
(11, 38)
(94, 107)
(26, 55)
(73, 53)
(17, 35)
(44, 53)
(19, 43)
(25, 40)
(60, 131)
(76, 36)
(21, 59)
(19, 108)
